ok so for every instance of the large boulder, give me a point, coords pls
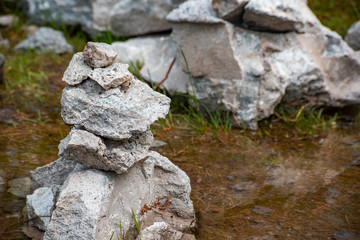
(92, 203)
(121, 17)
(353, 36)
(115, 114)
(156, 54)
(249, 73)
(46, 40)
(100, 153)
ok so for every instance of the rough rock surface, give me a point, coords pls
(77, 70)
(112, 76)
(46, 40)
(129, 18)
(156, 53)
(78, 209)
(155, 180)
(353, 36)
(249, 73)
(99, 200)
(162, 230)
(54, 173)
(100, 153)
(39, 207)
(121, 17)
(113, 113)
(280, 16)
(230, 10)
(98, 54)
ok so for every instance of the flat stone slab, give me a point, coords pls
(96, 152)
(99, 54)
(113, 113)
(112, 76)
(77, 70)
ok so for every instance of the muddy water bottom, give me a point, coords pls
(248, 187)
(244, 186)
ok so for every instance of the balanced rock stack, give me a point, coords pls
(105, 170)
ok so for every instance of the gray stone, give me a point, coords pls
(96, 152)
(54, 173)
(280, 16)
(249, 73)
(67, 12)
(113, 113)
(98, 54)
(162, 230)
(194, 11)
(46, 40)
(353, 36)
(39, 207)
(230, 10)
(80, 204)
(112, 76)
(121, 17)
(8, 20)
(156, 54)
(92, 203)
(158, 144)
(19, 187)
(261, 210)
(129, 18)
(77, 70)
(155, 180)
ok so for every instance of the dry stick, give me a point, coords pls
(166, 76)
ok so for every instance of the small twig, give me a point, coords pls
(166, 205)
(166, 76)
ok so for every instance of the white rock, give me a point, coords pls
(156, 53)
(112, 76)
(162, 230)
(194, 11)
(8, 20)
(353, 36)
(280, 16)
(92, 203)
(156, 178)
(113, 113)
(80, 204)
(77, 70)
(96, 152)
(39, 207)
(98, 54)
(46, 40)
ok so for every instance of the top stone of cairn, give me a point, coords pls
(98, 54)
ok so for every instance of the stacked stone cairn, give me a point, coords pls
(106, 172)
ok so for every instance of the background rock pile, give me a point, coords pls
(105, 170)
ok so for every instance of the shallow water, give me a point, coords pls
(244, 186)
